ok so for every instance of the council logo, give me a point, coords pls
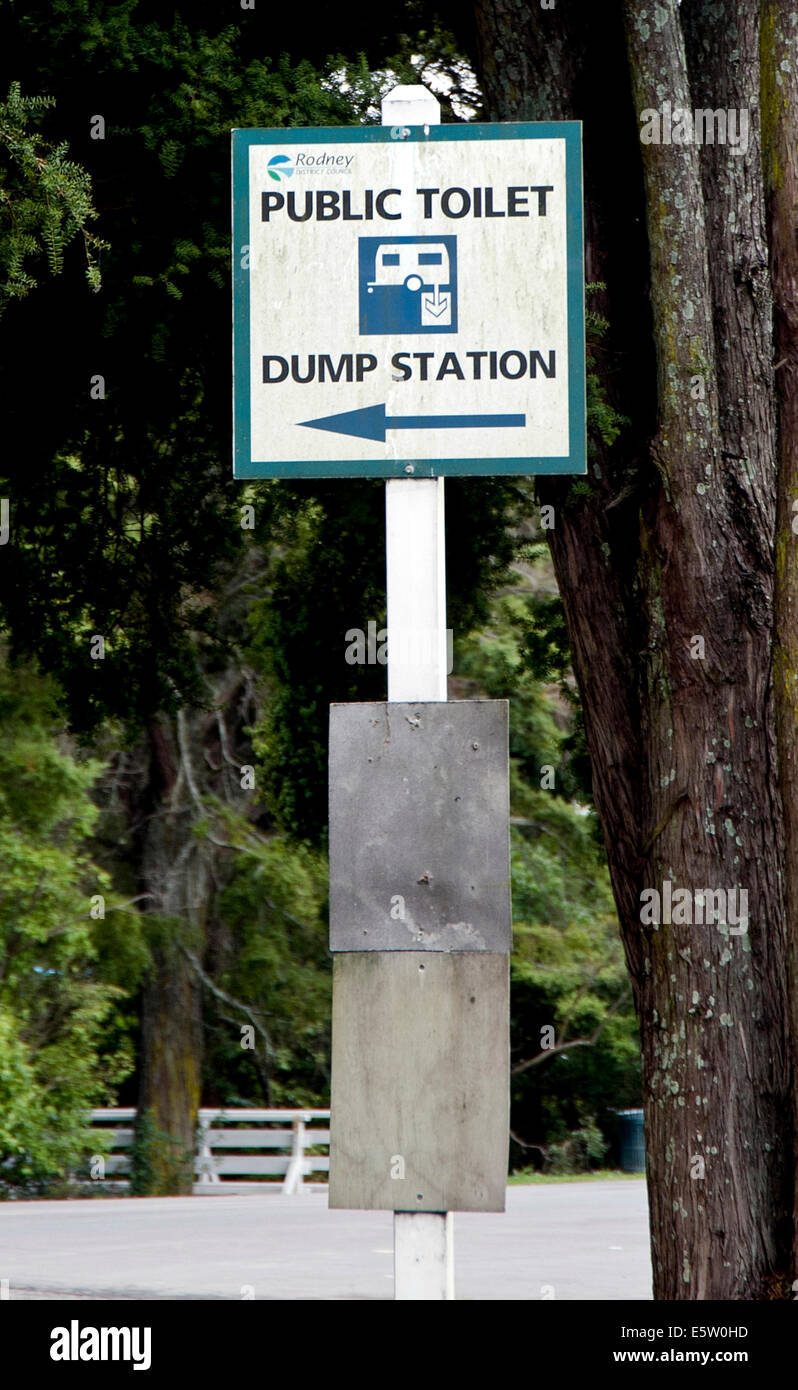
(280, 166)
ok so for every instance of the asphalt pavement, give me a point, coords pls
(579, 1240)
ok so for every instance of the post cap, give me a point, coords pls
(414, 105)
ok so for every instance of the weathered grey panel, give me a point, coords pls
(419, 827)
(421, 1074)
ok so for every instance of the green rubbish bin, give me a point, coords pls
(633, 1144)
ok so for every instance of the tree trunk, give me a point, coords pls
(191, 769)
(174, 872)
(169, 1090)
(779, 52)
(666, 576)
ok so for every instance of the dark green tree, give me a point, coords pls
(126, 527)
(126, 522)
(68, 947)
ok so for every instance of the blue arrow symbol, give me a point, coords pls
(371, 422)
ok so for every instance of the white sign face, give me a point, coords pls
(409, 305)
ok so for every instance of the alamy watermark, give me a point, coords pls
(676, 125)
(409, 646)
(682, 907)
(76, 1343)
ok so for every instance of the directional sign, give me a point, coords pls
(408, 301)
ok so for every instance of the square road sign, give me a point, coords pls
(408, 301)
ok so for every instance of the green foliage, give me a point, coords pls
(45, 200)
(604, 423)
(603, 420)
(521, 654)
(125, 519)
(124, 507)
(583, 1149)
(158, 1163)
(430, 56)
(567, 970)
(273, 966)
(568, 974)
(56, 1004)
(326, 578)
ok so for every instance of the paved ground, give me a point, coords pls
(583, 1240)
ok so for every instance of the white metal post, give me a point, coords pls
(423, 1255)
(416, 588)
(417, 667)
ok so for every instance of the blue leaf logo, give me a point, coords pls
(280, 166)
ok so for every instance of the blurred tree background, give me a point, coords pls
(177, 767)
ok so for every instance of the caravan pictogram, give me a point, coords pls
(408, 284)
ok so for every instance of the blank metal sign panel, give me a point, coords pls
(420, 1106)
(419, 827)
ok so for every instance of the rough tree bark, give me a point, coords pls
(779, 56)
(186, 757)
(674, 544)
(175, 872)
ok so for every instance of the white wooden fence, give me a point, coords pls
(230, 1146)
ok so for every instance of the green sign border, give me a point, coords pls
(244, 467)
